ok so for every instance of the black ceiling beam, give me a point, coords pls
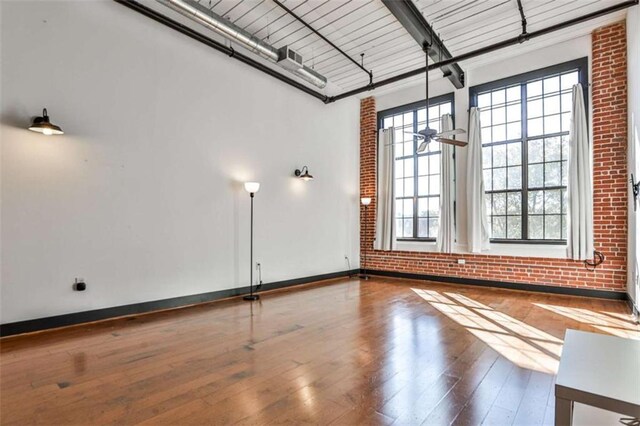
(484, 50)
(417, 26)
(326, 40)
(229, 51)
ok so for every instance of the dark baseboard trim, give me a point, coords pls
(601, 294)
(76, 318)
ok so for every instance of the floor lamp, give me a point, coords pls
(365, 202)
(251, 188)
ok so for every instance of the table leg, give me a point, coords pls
(564, 412)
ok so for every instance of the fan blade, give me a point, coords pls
(451, 141)
(422, 147)
(418, 135)
(451, 132)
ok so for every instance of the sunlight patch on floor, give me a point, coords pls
(522, 344)
(611, 323)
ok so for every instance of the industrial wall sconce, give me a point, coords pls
(45, 126)
(303, 173)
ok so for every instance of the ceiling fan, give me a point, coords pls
(427, 134)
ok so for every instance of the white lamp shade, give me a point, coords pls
(251, 187)
(365, 201)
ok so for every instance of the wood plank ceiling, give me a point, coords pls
(366, 26)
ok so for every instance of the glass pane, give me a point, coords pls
(536, 202)
(399, 189)
(408, 228)
(434, 185)
(423, 207)
(488, 182)
(567, 102)
(499, 133)
(513, 93)
(499, 204)
(568, 80)
(423, 185)
(564, 200)
(552, 149)
(408, 167)
(552, 200)
(552, 227)
(485, 135)
(407, 207)
(433, 113)
(399, 228)
(514, 154)
(514, 203)
(445, 108)
(565, 173)
(499, 155)
(434, 206)
(552, 105)
(422, 116)
(514, 131)
(408, 187)
(398, 208)
(388, 122)
(487, 204)
(551, 84)
(514, 227)
(407, 148)
(552, 174)
(498, 228)
(498, 116)
(486, 157)
(434, 164)
(534, 127)
(535, 153)
(484, 100)
(514, 112)
(433, 227)
(397, 121)
(423, 168)
(536, 224)
(399, 168)
(498, 96)
(408, 118)
(485, 117)
(565, 147)
(535, 176)
(564, 227)
(552, 124)
(500, 178)
(422, 228)
(566, 122)
(534, 88)
(534, 108)
(514, 177)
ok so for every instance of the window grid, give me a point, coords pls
(525, 168)
(416, 176)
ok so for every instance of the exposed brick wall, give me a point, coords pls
(609, 101)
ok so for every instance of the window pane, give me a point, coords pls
(514, 177)
(552, 149)
(513, 93)
(388, 122)
(434, 206)
(399, 208)
(552, 174)
(564, 227)
(423, 207)
(408, 167)
(407, 207)
(514, 203)
(423, 168)
(399, 229)
(534, 88)
(565, 173)
(536, 202)
(488, 182)
(422, 116)
(552, 124)
(408, 187)
(514, 112)
(551, 84)
(514, 131)
(499, 133)
(408, 228)
(534, 127)
(568, 80)
(552, 105)
(486, 157)
(434, 185)
(500, 178)
(534, 108)
(498, 228)
(499, 155)
(535, 176)
(514, 154)
(499, 204)
(498, 96)
(434, 164)
(445, 108)
(485, 135)
(552, 227)
(535, 152)
(433, 227)
(498, 116)
(408, 118)
(423, 228)
(514, 227)
(423, 185)
(485, 117)
(536, 224)
(484, 100)
(566, 122)
(567, 102)
(552, 200)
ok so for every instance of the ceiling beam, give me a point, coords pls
(417, 26)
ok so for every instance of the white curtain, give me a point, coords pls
(478, 224)
(580, 188)
(446, 230)
(385, 217)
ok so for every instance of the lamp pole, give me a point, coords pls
(251, 188)
(365, 202)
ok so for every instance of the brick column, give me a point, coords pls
(368, 128)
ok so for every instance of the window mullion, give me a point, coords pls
(415, 174)
(525, 164)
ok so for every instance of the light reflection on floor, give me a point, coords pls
(520, 343)
(610, 322)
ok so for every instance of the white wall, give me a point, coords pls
(142, 195)
(633, 58)
(551, 55)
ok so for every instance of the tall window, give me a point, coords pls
(524, 127)
(417, 176)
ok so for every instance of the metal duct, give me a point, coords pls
(217, 23)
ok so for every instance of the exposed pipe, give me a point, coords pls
(217, 23)
(189, 32)
(484, 50)
(316, 32)
(523, 20)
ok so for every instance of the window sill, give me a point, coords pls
(499, 249)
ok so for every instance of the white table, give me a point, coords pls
(600, 371)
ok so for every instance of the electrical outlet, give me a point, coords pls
(461, 261)
(79, 285)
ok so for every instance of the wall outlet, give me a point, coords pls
(79, 285)
(461, 261)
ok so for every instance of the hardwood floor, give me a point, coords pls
(342, 352)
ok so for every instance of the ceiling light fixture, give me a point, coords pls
(44, 125)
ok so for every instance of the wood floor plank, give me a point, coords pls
(341, 352)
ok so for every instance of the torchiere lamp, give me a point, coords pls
(251, 188)
(365, 202)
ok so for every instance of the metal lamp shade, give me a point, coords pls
(45, 126)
